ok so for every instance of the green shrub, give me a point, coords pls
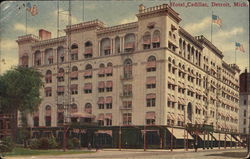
(34, 143)
(52, 142)
(76, 142)
(70, 144)
(43, 143)
(7, 144)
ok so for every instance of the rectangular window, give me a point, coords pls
(108, 122)
(74, 91)
(100, 90)
(109, 105)
(127, 118)
(101, 106)
(151, 102)
(150, 121)
(74, 57)
(100, 122)
(127, 104)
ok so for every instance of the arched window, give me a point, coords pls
(129, 42)
(88, 71)
(88, 108)
(60, 114)
(37, 56)
(128, 69)
(105, 47)
(48, 56)
(88, 49)
(25, 60)
(73, 108)
(151, 64)
(60, 75)
(117, 45)
(74, 73)
(74, 52)
(48, 115)
(109, 69)
(48, 76)
(146, 40)
(156, 39)
(60, 54)
(88, 67)
(101, 72)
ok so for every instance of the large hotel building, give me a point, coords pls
(151, 71)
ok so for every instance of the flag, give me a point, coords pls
(239, 46)
(32, 9)
(216, 20)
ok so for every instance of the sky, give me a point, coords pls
(196, 20)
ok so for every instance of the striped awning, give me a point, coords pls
(101, 84)
(87, 86)
(108, 116)
(150, 115)
(101, 117)
(100, 100)
(151, 80)
(109, 70)
(151, 96)
(109, 84)
(151, 64)
(108, 100)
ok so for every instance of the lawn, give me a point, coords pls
(30, 152)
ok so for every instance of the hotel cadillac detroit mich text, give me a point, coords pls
(151, 72)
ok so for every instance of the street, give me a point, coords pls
(150, 154)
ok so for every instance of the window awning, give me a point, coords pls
(181, 101)
(109, 132)
(48, 88)
(179, 133)
(171, 81)
(60, 89)
(101, 84)
(181, 84)
(101, 71)
(129, 45)
(156, 39)
(151, 80)
(191, 88)
(109, 70)
(88, 110)
(180, 117)
(100, 100)
(171, 98)
(150, 115)
(87, 86)
(88, 73)
(100, 117)
(74, 51)
(146, 41)
(88, 50)
(73, 86)
(50, 57)
(221, 137)
(109, 84)
(171, 116)
(151, 64)
(108, 116)
(81, 115)
(108, 100)
(151, 96)
(74, 74)
(60, 74)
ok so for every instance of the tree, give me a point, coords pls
(19, 91)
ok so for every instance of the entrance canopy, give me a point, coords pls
(179, 133)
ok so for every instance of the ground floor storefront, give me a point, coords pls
(137, 137)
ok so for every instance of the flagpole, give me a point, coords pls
(212, 27)
(26, 20)
(235, 55)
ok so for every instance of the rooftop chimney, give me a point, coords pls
(44, 34)
(141, 8)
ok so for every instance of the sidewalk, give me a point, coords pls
(175, 150)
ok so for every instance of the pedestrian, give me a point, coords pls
(97, 147)
(196, 146)
(89, 146)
